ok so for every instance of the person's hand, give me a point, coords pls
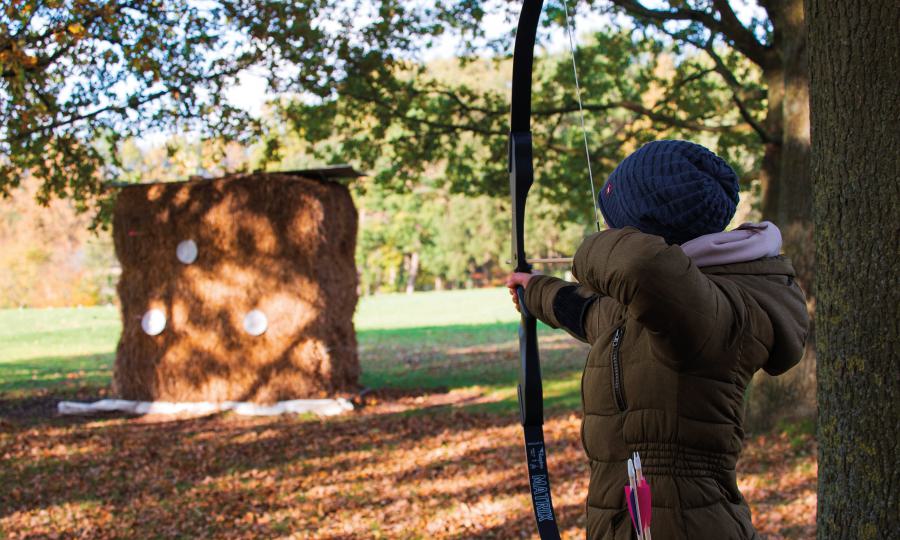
(514, 280)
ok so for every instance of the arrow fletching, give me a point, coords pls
(640, 492)
(634, 507)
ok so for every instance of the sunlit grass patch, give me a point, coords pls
(450, 339)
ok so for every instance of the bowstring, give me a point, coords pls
(587, 152)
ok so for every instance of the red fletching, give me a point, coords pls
(643, 495)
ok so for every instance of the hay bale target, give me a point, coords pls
(241, 288)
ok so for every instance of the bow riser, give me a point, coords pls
(521, 177)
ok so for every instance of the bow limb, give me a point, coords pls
(521, 169)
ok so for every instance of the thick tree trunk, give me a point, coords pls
(787, 201)
(392, 277)
(770, 172)
(854, 60)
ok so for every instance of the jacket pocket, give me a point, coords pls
(616, 368)
(618, 527)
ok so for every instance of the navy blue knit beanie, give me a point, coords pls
(675, 189)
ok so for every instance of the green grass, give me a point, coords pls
(449, 339)
(27, 334)
(445, 308)
(47, 348)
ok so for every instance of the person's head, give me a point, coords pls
(675, 189)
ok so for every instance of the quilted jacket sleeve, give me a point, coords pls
(660, 287)
(570, 306)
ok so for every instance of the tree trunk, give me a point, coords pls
(787, 201)
(413, 272)
(770, 172)
(787, 187)
(854, 59)
(392, 277)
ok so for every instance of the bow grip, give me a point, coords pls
(531, 392)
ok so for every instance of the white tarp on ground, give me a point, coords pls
(322, 407)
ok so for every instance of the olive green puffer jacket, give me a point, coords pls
(673, 348)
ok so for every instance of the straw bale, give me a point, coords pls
(278, 243)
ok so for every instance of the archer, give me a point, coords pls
(679, 316)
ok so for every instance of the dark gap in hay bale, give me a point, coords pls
(275, 242)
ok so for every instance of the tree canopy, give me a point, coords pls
(80, 77)
(82, 80)
(77, 77)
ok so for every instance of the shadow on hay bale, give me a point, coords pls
(277, 243)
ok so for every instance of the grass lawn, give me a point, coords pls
(449, 339)
(56, 348)
(435, 453)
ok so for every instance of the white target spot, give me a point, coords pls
(186, 251)
(256, 323)
(153, 322)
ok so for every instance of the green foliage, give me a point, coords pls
(637, 86)
(85, 79)
(78, 77)
(458, 240)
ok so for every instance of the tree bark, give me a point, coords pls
(785, 176)
(854, 58)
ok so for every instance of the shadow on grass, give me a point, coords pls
(56, 373)
(454, 356)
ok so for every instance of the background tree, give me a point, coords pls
(855, 57)
(680, 68)
(78, 77)
(776, 44)
(453, 118)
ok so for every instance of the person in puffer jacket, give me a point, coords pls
(679, 316)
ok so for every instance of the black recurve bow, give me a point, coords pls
(521, 177)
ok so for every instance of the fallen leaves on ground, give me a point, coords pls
(777, 475)
(407, 466)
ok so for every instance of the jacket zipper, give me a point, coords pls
(617, 368)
